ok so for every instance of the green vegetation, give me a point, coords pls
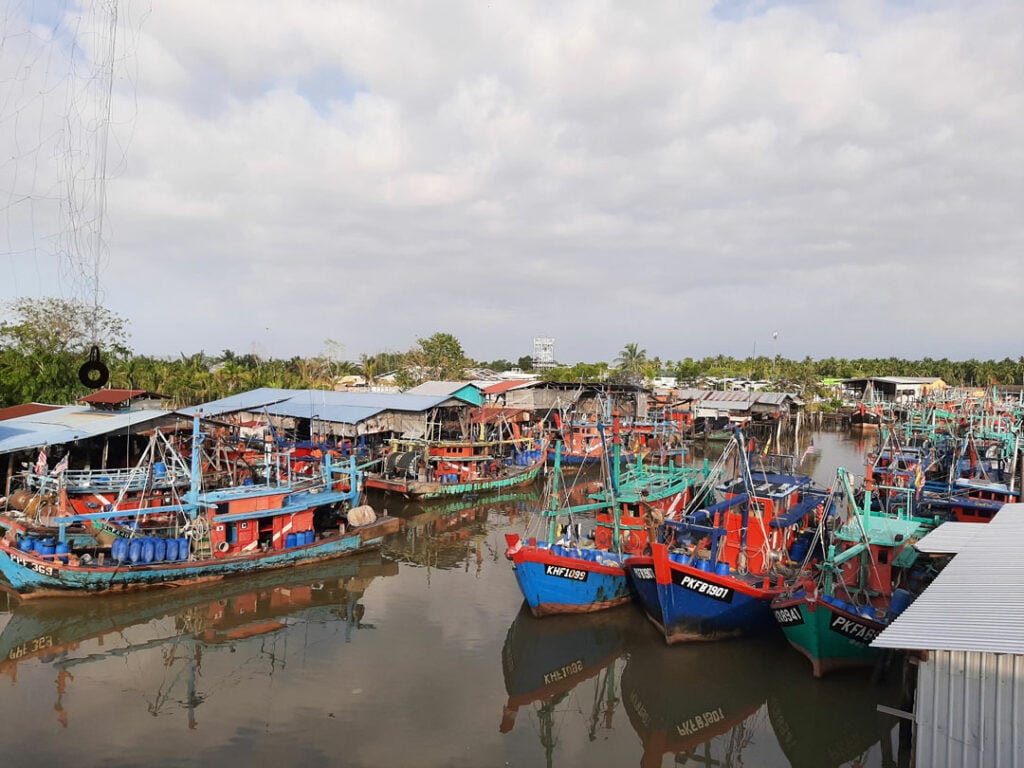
(44, 341)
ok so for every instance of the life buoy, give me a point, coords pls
(223, 546)
(633, 543)
(603, 538)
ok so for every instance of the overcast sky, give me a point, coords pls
(690, 176)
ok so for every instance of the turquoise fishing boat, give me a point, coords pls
(277, 522)
(866, 579)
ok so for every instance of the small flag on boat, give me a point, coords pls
(40, 468)
(61, 465)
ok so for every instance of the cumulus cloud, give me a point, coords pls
(689, 176)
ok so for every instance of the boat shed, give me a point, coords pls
(471, 393)
(312, 412)
(894, 388)
(967, 632)
(712, 403)
(581, 399)
(87, 431)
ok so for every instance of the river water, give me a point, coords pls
(419, 655)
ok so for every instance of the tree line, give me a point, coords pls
(43, 343)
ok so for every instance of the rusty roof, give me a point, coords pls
(504, 386)
(27, 409)
(114, 396)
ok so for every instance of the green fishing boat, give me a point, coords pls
(866, 579)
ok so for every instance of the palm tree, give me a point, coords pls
(632, 360)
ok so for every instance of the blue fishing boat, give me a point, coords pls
(717, 569)
(577, 571)
(277, 522)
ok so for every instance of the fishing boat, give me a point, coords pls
(160, 478)
(445, 533)
(576, 571)
(868, 414)
(717, 569)
(275, 522)
(865, 580)
(436, 469)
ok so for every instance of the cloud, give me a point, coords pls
(686, 176)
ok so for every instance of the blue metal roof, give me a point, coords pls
(325, 405)
(64, 425)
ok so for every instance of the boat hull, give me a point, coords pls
(556, 579)
(416, 489)
(32, 575)
(829, 636)
(640, 571)
(703, 605)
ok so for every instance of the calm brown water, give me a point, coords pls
(416, 656)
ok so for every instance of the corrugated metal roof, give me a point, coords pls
(948, 538)
(505, 386)
(326, 405)
(977, 602)
(66, 424)
(114, 396)
(733, 396)
(27, 409)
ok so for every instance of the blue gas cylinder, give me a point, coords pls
(171, 550)
(63, 550)
(148, 550)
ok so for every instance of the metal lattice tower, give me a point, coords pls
(543, 352)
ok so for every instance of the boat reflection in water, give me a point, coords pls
(834, 720)
(744, 702)
(696, 701)
(546, 660)
(181, 622)
(448, 534)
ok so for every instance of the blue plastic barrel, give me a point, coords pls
(159, 550)
(171, 550)
(799, 550)
(135, 550)
(722, 569)
(705, 565)
(46, 547)
(290, 541)
(867, 612)
(148, 550)
(183, 548)
(117, 549)
(310, 536)
(63, 550)
(29, 544)
(901, 598)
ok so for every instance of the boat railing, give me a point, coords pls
(158, 476)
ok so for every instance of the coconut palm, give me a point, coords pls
(632, 360)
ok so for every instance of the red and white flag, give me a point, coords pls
(40, 468)
(61, 465)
